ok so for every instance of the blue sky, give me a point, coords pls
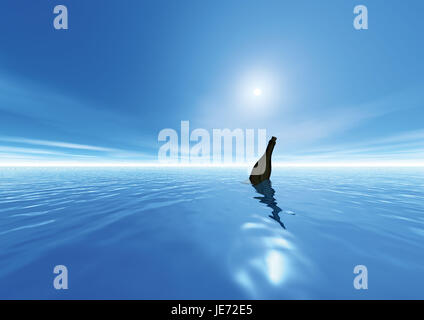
(124, 70)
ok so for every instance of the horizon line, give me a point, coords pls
(64, 164)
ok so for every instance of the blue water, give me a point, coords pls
(204, 234)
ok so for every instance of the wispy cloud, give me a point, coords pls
(57, 144)
(63, 114)
(45, 151)
(400, 143)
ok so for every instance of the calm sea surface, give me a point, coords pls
(205, 234)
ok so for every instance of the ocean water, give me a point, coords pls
(167, 233)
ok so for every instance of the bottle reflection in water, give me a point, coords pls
(265, 188)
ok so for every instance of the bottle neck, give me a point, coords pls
(270, 148)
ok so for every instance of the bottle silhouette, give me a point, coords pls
(262, 169)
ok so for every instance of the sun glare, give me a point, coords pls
(257, 92)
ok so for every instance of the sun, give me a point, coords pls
(257, 92)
